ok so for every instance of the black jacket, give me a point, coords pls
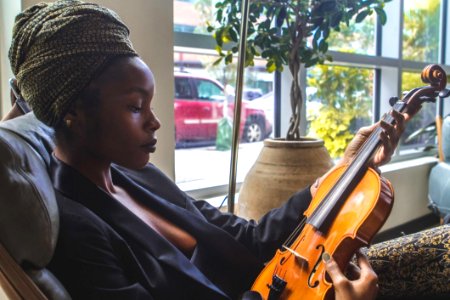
(105, 252)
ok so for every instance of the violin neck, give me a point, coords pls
(327, 210)
(373, 141)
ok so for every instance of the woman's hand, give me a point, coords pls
(365, 287)
(390, 137)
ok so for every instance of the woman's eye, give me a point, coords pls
(134, 109)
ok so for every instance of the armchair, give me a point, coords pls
(28, 211)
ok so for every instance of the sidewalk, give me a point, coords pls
(197, 168)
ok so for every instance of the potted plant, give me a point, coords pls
(290, 33)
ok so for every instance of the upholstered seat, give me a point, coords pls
(28, 210)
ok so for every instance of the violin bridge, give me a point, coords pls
(298, 258)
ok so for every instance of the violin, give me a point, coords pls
(350, 206)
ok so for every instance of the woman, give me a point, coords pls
(127, 231)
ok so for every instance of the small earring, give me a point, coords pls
(68, 123)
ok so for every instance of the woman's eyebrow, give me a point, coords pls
(137, 89)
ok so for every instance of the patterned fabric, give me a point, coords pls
(414, 265)
(58, 48)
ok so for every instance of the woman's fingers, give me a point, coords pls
(366, 269)
(389, 136)
(352, 272)
(363, 288)
(333, 270)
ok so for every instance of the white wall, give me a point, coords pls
(8, 11)
(410, 182)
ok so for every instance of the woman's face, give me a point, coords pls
(123, 125)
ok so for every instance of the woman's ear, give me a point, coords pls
(72, 121)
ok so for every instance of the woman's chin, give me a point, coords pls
(135, 164)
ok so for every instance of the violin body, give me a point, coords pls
(360, 218)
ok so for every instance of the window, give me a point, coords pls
(420, 132)
(183, 89)
(192, 15)
(368, 68)
(336, 112)
(356, 38)
(207, 90)
(421, 30)
(204, 109)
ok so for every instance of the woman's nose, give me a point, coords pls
(152, 122)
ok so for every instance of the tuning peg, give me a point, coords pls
(393, 100)
(444, 93)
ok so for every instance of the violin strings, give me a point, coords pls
(295, 233)
(368, 147)
(356, 166)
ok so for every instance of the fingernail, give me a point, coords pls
(326, 257)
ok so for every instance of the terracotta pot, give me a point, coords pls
(282, 168)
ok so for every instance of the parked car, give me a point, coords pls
(250, 94)
(266, 103)
(200, 103)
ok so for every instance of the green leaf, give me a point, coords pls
(219, 15)
(311, 62)
(229, 58)
(233, 35)
(325, 7)
(266, 53)
(326, 33)
(361, 16)
(323, 46)
(218, 61)
(336, 19)
(271, 66)
(381, 15)
(219, 50)
(317, 36)
(218, 36)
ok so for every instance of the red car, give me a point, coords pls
(199, 106)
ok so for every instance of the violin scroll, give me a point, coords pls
(435, 76)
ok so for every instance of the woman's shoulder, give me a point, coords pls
(76, 220)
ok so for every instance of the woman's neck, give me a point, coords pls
(96, 170)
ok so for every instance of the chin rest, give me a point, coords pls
(439, 180)
(29, 218)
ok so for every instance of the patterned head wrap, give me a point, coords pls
(58, 48)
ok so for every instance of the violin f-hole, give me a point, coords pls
(316, 283)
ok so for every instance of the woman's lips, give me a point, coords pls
(150, 147)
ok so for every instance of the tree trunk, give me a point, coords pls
(296, 101)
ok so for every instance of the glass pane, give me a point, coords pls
(207, 90)
(339, 103)
(357, 38)
(421, 30)
(420, 131)
(193, 15)
(204, 108)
